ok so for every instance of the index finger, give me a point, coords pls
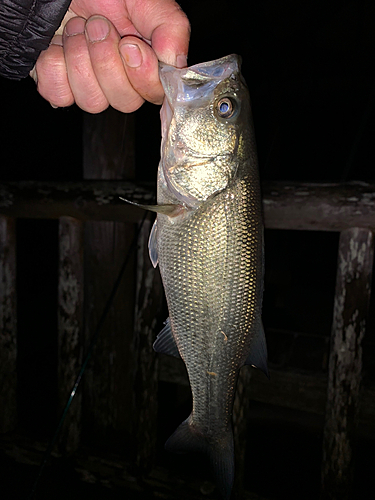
(167, 27)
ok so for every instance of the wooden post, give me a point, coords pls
(241, 409)
(70, 327)
(8, 325)
(108, 154)
(149, 298)
(353, 287)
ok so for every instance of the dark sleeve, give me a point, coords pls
(26, 28)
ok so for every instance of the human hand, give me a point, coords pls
(106, 52)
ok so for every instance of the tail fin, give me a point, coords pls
(219, 449)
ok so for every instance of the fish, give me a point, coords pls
(208, 242)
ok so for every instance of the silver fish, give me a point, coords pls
(208, 241)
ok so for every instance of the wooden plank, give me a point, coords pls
(85, 200)
(149, 299)
(289, 389)
(70, 328)
(318, 207)
(108, 154)
(8, 325)
(241, 411)
(352, 298)
(302, 206)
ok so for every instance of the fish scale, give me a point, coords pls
(208, 242)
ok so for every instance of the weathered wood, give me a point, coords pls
(318, 207)
(109, 474)
(241, 409)
(70, 327)
(148, 305)
(305, 206)
(295, 390)
(8, 326)
(108, 154)
(108, 142)
(352, 298)
(86, 200)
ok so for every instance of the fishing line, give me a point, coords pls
(90, 349)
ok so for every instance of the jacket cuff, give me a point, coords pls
(26, 28)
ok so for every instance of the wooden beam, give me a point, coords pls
(289, 389)
(8, 325)
(85, 200)
(351, 306)
(70, 328)
(318, 207)
(303, 206)
(149, 299)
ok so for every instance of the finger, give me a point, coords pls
(142, 68)
(166, 25)
(103, 45)
(51, 77)
(82, 79)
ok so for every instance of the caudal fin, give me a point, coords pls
(219, 450)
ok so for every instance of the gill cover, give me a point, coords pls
(200, 128)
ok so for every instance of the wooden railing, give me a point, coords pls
(345, 208)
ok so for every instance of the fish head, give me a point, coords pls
(204, 114)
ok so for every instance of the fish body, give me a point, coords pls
(208, 242)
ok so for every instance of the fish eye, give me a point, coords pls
(225, 107)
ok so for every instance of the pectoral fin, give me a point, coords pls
(165, 342)
(258, 352)
(168, 209)
(152, 248)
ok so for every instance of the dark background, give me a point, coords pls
(309, 68)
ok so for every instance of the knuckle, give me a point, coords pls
(92, 103)
(185, 23)
(128, 107)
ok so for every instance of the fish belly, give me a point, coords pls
(211, 266)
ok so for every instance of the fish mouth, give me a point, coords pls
(187, 86)
(194, 83)
(197, 81)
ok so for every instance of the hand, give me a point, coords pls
(106, 52)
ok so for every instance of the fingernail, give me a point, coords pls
(57, 40)
(132, 54)
(76, 26)
(34, 75)
(97, 29)
(181, 61)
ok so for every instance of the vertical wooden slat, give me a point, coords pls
(149, 297)
(70, 327)
(8, 325)
(353, 288)
(241, 409)
(108, 154)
